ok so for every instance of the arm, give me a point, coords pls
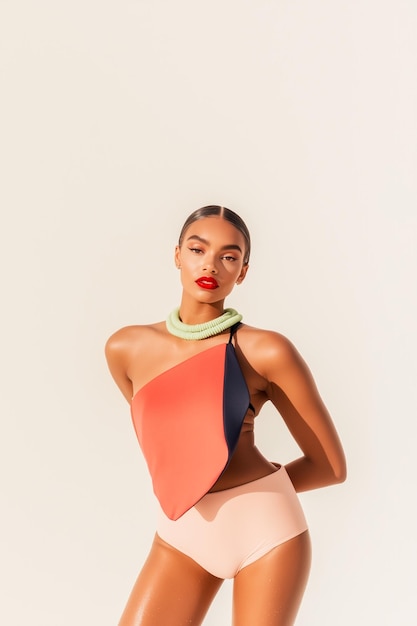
(117, 355)
(292, 390)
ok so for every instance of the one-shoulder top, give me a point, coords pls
(188, 421)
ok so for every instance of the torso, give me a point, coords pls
(153, 351)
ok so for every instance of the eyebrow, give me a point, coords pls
(232, 246)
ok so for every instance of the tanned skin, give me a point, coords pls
(172, 589)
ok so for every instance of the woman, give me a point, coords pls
(195, 384)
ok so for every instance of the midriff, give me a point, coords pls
(246, 464)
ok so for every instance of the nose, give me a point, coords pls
(209, 266)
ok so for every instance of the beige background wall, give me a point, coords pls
(117, 120)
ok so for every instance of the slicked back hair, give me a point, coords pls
(224, 213)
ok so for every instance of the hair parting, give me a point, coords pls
(224, 213)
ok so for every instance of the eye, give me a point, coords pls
(196, 250)
(228, 257)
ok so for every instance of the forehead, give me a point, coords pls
(213, 229)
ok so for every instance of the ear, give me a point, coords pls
(177, 257)
(242, 274)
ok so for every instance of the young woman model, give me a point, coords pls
(195, 384)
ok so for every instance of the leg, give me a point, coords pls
(269, 591)
(171, 590)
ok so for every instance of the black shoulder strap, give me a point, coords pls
(233, 330)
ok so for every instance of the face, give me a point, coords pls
(211, 259)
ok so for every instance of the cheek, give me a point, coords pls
(190, 263)
(237, 270)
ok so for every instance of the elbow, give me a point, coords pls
(339, 471)
(340, 478)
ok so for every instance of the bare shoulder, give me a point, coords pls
(126, 346)
(129, 340)
(267, 350)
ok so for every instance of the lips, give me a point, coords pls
(207, 282)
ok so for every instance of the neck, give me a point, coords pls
(198, 312)
(176, 326)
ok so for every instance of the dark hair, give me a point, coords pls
(226, 214)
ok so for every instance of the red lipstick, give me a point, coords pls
(207, 282)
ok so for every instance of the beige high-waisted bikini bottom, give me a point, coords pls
(228, 530)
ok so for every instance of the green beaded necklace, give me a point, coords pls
(201, 331)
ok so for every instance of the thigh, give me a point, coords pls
(171, 590)
(269, 591)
